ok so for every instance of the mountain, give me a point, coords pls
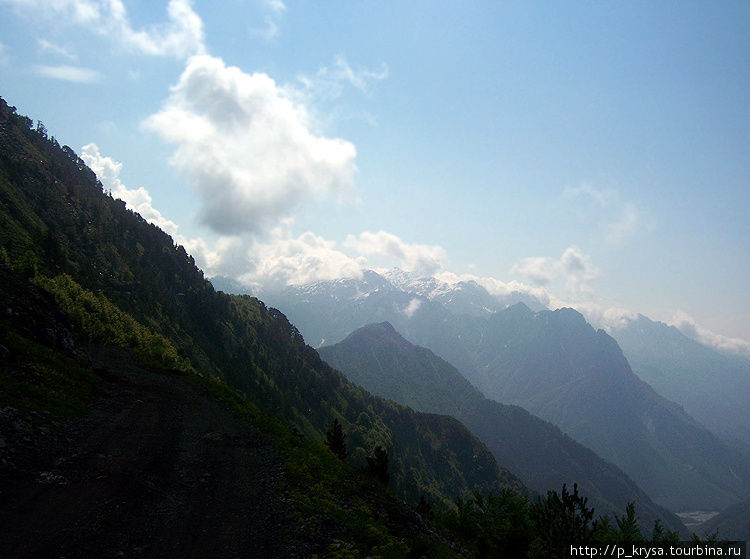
(382, 361)
(462, 297)
(712, 387)
(122, 280)
(555, 365)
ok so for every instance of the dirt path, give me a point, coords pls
(156, 469)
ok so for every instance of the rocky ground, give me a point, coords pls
(157, 468)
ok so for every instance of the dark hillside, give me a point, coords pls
(55, 219)
(101, 456)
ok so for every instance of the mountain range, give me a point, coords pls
(552, 363)
(382, 361)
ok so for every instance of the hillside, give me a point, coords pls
(381, 360)
(104, 456)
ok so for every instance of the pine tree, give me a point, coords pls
(336, 440)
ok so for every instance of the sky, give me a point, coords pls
(596, 154)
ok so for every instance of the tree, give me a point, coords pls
(559, 521)
(377, 465)
(336, 440)
(628, 526)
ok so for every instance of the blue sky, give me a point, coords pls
(596, 154)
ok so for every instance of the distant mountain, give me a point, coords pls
(555, 365)
(712, 387)
(463, 297)
(381, 360)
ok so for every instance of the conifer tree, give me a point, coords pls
(336, 440)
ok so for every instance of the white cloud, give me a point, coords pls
(274, 12)
(329, 82)
(626, 225)
(573, 267)
(541, 270)
(180, 36)
(75, 74)
(287, 260)
(247, 146)
(139, 200)
(412, 307)
(599, 316)
(420, 259)
(497, 287)
(620, 220)
(57, 50)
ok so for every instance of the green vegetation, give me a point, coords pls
(102, 256)
(99, 321)
(510, 525)
(336, 440)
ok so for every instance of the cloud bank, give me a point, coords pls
(247, 146)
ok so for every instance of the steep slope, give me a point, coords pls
(381, 360)
(102, 456)
(712, 387)
(55, 219)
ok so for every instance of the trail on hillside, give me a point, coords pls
(157, 468)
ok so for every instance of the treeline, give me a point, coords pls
(511, 524)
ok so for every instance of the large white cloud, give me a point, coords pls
(180, 36)
(419, 259)
(247, 146)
